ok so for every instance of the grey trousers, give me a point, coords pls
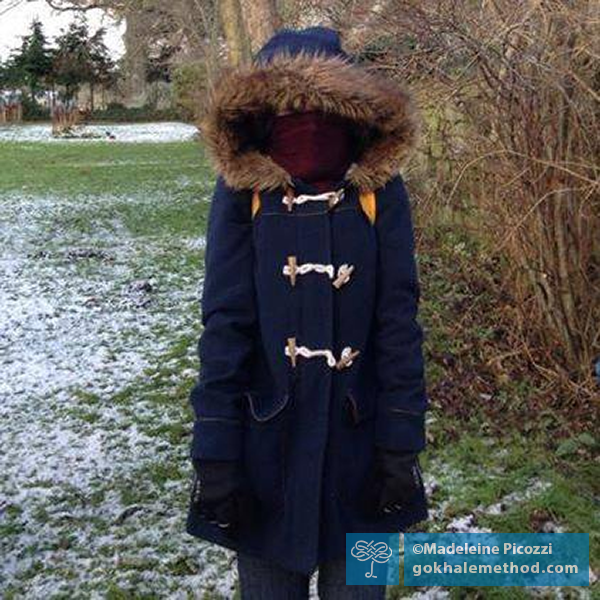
(263, 580)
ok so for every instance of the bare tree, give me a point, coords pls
(261, 19)
(234, 27)
(136, 56)
(517, 86)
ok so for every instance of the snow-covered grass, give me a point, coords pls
(98, 321)
(480, 484)
(115, 132)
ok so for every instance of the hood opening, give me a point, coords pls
(244, 101)
(313, 146)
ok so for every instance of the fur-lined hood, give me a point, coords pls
(243, 99)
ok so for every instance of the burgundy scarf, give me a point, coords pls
(313, 146)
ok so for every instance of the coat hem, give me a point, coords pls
(209, 533)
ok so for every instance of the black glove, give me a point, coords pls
(393, 484)
(220, 494)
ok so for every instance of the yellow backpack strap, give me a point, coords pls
(255, 202)
(369, 205)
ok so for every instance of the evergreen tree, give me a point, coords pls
(6, 74)
(102, 67)
(72, 62)
(32, 65)
(82, 58)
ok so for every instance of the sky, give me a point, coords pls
(16, 17)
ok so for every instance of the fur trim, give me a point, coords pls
(244, 97)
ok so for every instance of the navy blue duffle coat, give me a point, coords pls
(305, 423)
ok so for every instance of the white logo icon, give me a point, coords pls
(376, 552)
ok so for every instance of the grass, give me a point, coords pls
(142, 205)
(103, 168)
(105, 217)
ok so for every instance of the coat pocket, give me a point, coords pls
(265, 441)
(354, 458)
(359, 406)
(264, 407)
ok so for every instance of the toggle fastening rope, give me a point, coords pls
(332, 198)
(346, 358)
(292, 269)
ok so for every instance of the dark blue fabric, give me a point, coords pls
(307, 435)
(312, 40)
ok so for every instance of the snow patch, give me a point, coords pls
(122, 132)
(89, 495)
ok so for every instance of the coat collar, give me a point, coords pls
(242, 100)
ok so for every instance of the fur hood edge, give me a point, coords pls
(241, 97)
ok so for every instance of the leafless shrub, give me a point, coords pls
(511, 95)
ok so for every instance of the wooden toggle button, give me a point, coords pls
(289, 199)
(343, 276)
(335, 198)
(292, 262)
(291, 344)
(343, 362)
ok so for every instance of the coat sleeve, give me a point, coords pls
(401, 397)
(226, 344)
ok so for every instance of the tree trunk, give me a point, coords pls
(261, 20)
(236, 37)
(136, 57)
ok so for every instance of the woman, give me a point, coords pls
(311, 397)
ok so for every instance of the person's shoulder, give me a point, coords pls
(392, 194)
(223, 188)
(232, 199)
(394, 186)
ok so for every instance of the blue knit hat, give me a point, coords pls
(312, 40)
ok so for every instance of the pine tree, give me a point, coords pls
(72, 62)
(82, 58)
(33, 63)
(102, 67)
